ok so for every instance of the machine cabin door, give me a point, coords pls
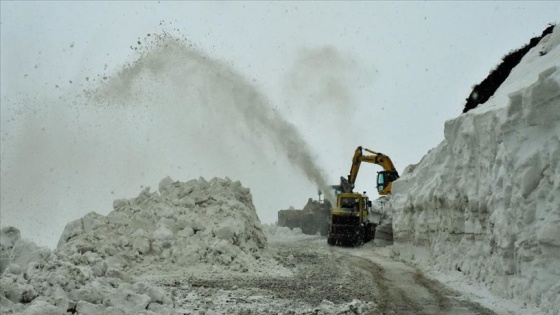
(384, 178)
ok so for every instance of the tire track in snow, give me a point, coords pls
(402, 289)
(389, 298)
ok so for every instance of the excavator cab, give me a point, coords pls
(385, 180)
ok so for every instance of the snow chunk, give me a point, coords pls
(8, 237)
(43, 308)
(93, 220)
(72, 229)
(165, 185)
(128, 301)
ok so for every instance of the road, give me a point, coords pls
(401, 289)
(324, 280)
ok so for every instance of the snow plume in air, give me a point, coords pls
(322, 77)
(325, 85)
(208, 103)
(325, 80)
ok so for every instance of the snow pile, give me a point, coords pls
(94, 266)
(38, 281)
(486, 201)
(283, 234)
(213, 223)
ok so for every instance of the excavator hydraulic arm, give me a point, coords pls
(384, 178)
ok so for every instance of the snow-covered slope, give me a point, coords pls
(486, 200)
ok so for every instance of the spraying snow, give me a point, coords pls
(229, 100)
(325, 81)
(173, 111)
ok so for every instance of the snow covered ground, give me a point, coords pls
(170, 252)
(197, 225)
(480, 213)
(484, 206)
(198, 248)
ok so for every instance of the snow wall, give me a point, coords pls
(486, 200)
(208, 226)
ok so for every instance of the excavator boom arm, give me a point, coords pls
(380, 159)
(376, 158)
(356, 161)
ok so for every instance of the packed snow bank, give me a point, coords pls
(486, 201)
(212, 223)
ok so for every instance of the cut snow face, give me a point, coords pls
(211, 225)
(485, 202)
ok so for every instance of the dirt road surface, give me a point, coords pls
(324, 280)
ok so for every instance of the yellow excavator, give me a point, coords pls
(348, 221)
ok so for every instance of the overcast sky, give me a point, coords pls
(384, 75)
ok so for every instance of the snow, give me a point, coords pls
(283, 234)
(480, 212)
(485, 202)
(206, 226)
(136, 259)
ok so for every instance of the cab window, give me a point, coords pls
(350, 203)
(380, 181)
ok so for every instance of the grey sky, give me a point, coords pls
(406, 67)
